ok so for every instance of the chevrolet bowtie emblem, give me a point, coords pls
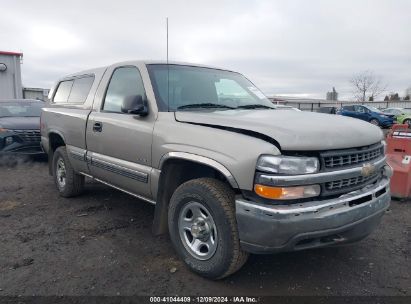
(367, 169)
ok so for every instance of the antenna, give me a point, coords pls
(168, 72)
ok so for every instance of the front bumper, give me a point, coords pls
(25, 142)
(276, 228)
(23, 148)
(386, 123)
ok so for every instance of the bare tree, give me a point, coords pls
(367, 86)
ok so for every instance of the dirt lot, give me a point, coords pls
(101, 244)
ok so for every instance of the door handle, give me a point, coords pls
(98, 126)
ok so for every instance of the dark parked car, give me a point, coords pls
(328, 110)
(20, 126)
(368, 113)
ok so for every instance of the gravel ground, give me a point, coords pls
(101, 244)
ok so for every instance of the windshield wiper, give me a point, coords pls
(207, 105)
(254, 106)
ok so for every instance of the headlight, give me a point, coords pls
(292, 165)
(9, 140)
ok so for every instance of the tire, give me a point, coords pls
(407, 122)
(375, 122)
(209, 204)
(68, 182)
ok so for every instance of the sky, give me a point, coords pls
(287, 48)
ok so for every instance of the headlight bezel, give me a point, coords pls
(297, 165)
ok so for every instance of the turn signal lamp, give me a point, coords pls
(287, 193)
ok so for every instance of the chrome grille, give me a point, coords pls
(32, 136)
(351, 183)
(351, 157)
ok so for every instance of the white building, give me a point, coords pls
(10, 75)
(333, 95)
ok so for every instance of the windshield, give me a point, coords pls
(407, 111)
(20, 109)
(198, 88)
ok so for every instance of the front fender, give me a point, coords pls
(233, 154)
(202, 160)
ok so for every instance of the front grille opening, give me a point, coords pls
(313, 242)
(360, 200)
(349, 182)
(347, 158)
(331, 238)
(380, 192)
(28, 135)
(305, 242)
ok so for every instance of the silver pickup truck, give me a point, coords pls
(229, 173)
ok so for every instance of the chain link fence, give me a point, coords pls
(314, 106)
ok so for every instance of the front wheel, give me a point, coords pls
(203, 228)
(68, 182)
(375, 122)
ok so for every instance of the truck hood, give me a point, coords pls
(294, 131)
(20, 123)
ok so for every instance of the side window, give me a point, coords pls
(63, 91)
(81, 88)
(348, 108)
(125, 81)
(360, 109)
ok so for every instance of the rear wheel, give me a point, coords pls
(375, 122)
(203, 228)
(68, 182)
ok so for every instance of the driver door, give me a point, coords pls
(119, 144)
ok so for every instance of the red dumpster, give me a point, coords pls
(399, 158)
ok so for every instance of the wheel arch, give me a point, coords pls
(198, 159)
(177, 168)
(56, 139)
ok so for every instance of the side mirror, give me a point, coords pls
(134, 104)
